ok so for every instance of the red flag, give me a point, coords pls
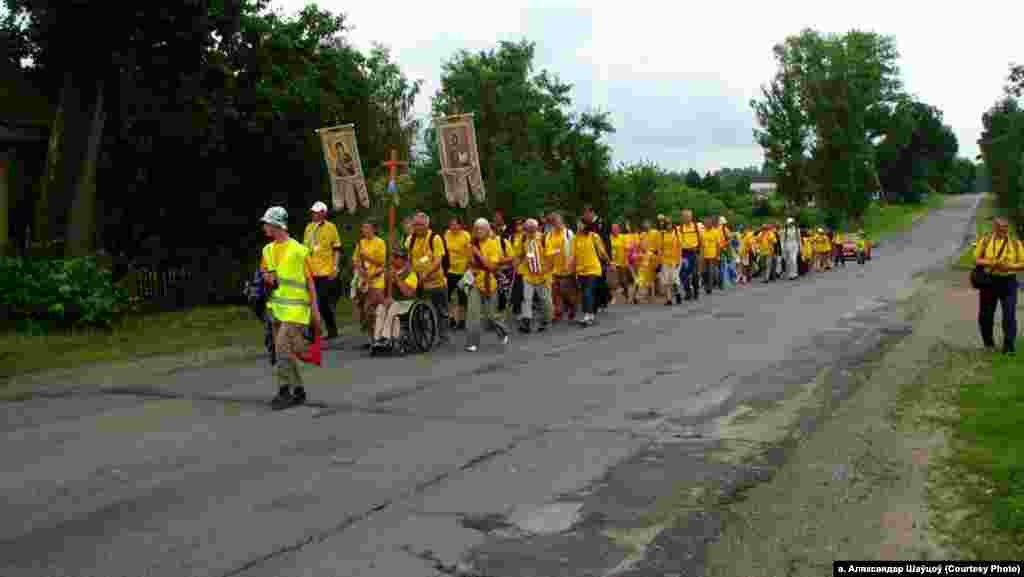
(313, 355)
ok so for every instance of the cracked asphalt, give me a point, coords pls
(584, 452)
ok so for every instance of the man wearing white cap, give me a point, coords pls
(324, 244)
(288, 275)
(791, 247)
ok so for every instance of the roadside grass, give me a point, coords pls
(199, 329)
(881, 219)
(977, 489)
(986, 211)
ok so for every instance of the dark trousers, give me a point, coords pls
(1002, 292)
(688, 276)
(438, 297)
(326, 298)
(711, 275)
(517, 295)
(588, 286)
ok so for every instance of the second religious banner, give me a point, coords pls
(460, 162)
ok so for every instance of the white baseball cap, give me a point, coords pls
(789, 220)
(319, 207)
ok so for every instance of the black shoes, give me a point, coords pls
(524, 326)
(283, 400)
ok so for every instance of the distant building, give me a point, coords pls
(761, 187)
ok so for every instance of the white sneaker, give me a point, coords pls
(471, 348)
(506, 340)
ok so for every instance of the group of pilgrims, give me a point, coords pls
(538, 271)
(534, 271)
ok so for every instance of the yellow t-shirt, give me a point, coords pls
(1010, 257)
(424, 249)
(519, 251)
(458, 251)
(545, 256)
(645, 268)
(556, 241)
(748, 242)
(766, 243)
(822, 244)
(322, 240)
(689, 236)
(712, 243)
(485, 280)
(620, 247)
(377, 249)
(807, 247)
(653, 238)
(671, 249)
(587, 246)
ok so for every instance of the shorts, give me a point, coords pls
(453, 288)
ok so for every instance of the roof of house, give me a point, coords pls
(762, 180)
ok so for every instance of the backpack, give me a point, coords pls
(256, 294)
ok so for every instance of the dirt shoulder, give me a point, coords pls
(861, 486)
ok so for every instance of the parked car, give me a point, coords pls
(851, 248)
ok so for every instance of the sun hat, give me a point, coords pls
(276, 216)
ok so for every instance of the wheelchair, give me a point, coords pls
(418, 332)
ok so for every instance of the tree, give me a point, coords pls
(917, 151)
(785, 130)
(693, 179)
(525, 126)
(712, 183)
(167, 43)
(1002, 147)
(837, 85)
(1015, 81)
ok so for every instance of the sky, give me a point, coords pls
(678, 77)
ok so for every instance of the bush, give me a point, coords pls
(63, 291)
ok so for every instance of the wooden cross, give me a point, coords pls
(392, 166)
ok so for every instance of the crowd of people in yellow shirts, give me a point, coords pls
(540, 270)
(536, 271)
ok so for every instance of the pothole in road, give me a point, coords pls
(487, 523)
(644, 415)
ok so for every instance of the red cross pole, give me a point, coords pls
(392, 188)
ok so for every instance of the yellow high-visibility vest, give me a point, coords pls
(290, 301)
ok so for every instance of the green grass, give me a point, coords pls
(198, 329)
(986, 210)
(987, 464)
(881, 219)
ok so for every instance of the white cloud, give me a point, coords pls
(678, 77)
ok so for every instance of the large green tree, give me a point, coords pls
(917, 151)
(528, 134)
(228, 89)
(1002, 147)
(821, 112)
(784, 129)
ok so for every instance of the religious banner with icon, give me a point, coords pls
(348, 185)
(460, 163)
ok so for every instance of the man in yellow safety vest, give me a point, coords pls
(288, 275)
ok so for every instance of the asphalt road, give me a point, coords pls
(549, 457)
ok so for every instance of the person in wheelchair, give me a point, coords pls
(403, 292)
